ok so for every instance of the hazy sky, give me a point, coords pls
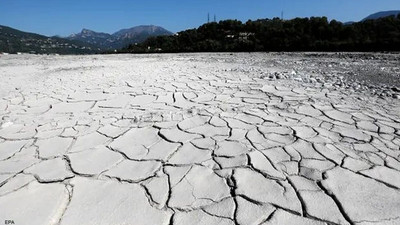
(63, 17)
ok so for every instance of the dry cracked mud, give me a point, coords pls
(200, 139)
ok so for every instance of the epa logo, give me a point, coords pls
(9, 222)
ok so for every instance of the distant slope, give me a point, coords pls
(121, 38)
(148, 30)
(91, 37)
(13, 41)
(299, 34)
(382, 14)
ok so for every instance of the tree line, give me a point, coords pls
(299, 34)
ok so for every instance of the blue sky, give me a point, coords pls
(63, 17)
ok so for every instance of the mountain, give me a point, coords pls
(137, 34)
(349, 23)
(120, 38)
(148, 30)
(13, 41)
(91, 37)
(382, 14)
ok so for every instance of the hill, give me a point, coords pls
(91, 37)
(299, 34)
(120, 38)
(13, 41)
(382, 15)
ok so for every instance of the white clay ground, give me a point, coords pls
(196, 139)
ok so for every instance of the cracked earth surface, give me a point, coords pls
(195, 139)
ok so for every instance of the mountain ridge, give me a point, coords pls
(382, 14)
(14, 41)
(120, 38)
(89, 41)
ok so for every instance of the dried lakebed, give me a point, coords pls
(200, 139)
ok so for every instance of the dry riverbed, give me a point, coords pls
(249, 138)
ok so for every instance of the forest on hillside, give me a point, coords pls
(299, 34)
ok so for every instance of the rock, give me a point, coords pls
(353, 191)
(355, 164)
(9, 148)
(176, 135)
(88, 141)
(281, 217)
(224, 208)
(395, 89)
(135, 142)
(201, 218)
(134, 171)
(341, 116)
(249, 213)
(189, 154)
(127, 203)
(51, 170)
(260, 189)
(161, 150)
(94, 161)
(384, 174)
(159, 189)
(230, 148)
(199, 187)
(319, 205)
(263, 164)
(35, 204)
(56, 146)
